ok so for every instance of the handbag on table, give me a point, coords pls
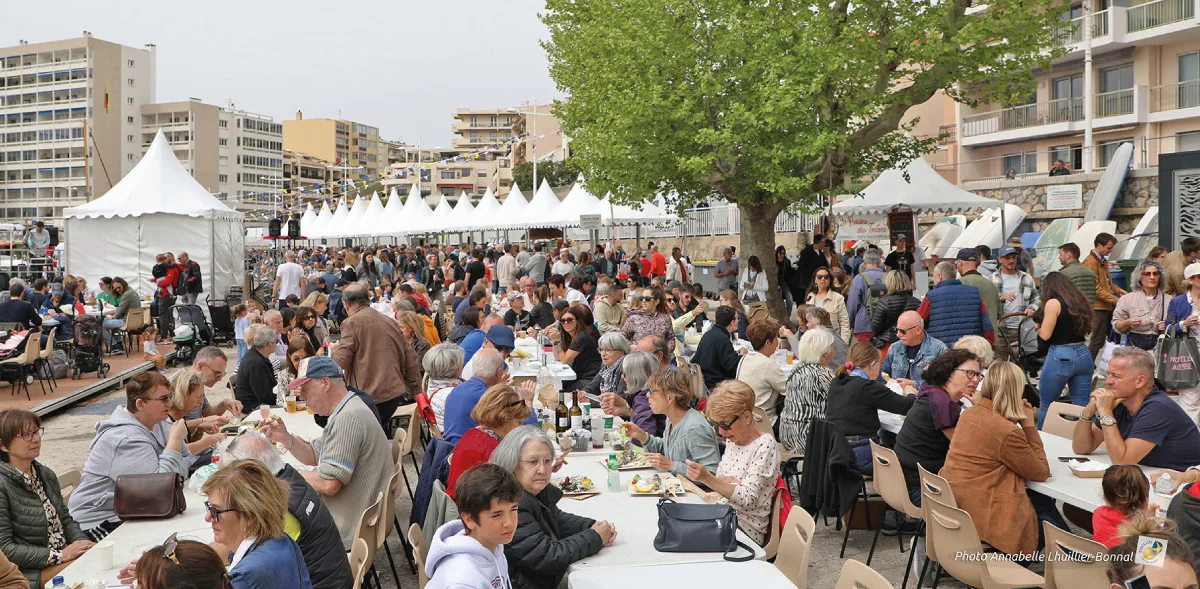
(149, 496)
(698, 527)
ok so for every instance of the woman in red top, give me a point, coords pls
(499, 411)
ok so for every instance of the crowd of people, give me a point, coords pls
(697, 377)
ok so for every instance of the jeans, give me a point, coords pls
(1065, 366)
(862, 456)
(1103, 324)
(788, 302)
(241, 349)
(108, 325)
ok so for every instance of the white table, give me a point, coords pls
(636, 519)
(756, 573)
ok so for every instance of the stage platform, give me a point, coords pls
(69, 391)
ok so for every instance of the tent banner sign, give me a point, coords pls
(1064, 197)
(865, 228)
(589, 222)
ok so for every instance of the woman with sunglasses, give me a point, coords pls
(499, 411)
(749, 470)
(129, 442)
(187, 394)
(179, 563)
(989, 461)
(687, 435)
(651, 318)
(39, 534)
(576, 345)
(822, 295)
(547, 539)
(1141, 313)
(929, 424)
(306, 325)
(246, 507)
(299, 348)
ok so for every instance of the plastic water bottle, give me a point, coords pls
(58, 582)
(614, 475)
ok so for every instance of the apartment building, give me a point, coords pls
(445, 171)
(52, 94)
(302, 171)
(1143, 87)
(236, 155)
(355, 145)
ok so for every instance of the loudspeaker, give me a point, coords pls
(294, 228)
(273, 228)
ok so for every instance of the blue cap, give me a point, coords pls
(967, 254)
(1007, 250)
(56, 289)
(501, 336)
(315, 367)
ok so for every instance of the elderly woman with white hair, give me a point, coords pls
(256, 376)
(613, 349)
(632, 403)
(547, 539)
(807, 389)
(1141, 314)
(975, 344)
(443, 365)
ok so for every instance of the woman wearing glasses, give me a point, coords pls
(179, 563)
(822, 296)
(929, 424)
(748, 471)
(37, 533)
(129, 442)
(576, 345)
(1141, 313)
(548, 539)
(246, 506)
(499, 411)
(687, 435)
(650, 319)
(990, 460)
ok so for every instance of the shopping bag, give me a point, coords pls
(1177, 358)
(1106, 354)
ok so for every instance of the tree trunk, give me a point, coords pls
(758, 239)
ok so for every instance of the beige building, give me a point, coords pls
(354, 145)
(1143, 86)
(49, 93)
(305, 172)
(236, 155)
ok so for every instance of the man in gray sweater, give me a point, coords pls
(535, 266)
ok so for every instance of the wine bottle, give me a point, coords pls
(576, 412)
(562, 420)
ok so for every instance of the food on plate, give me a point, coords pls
(631, 458)
(647, 485)
(575, 484)
(517, 353)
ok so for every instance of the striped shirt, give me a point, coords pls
(354, 451)
(807, 390)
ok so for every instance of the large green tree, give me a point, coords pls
(773, 103)
(556, 173)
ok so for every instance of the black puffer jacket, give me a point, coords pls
(887, 310)
(24, 534)
(547, 541)
(319, 540)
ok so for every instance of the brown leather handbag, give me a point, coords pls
(149, 496)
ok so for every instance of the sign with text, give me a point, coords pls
(867, 228)
(589, 222)
(1064, 197)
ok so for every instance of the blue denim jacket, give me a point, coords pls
(896, 363)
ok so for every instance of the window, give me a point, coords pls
(224, 124)
(129, 156)
(1022, 163)
(1116, 78)
(222, 142)
(1071, 154)
(129, 63)
(1189, 79)
(483, 173)
(129, 120)
(447, 191)
(223, 178)
(1189, 141)
(129, 100)
(129, 82)
(1107, 150)
(129, 138)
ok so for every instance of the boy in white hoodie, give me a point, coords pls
(468, 553)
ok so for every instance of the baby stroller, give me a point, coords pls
(88, 351)
(186, 343)
(193, 315)
(222, 322)
(1024, 352)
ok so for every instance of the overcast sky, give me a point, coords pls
(401, 65)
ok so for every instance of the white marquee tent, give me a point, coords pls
(577, 202)
(158, 207)
(388, 219)
(924, 191)
(335, 222)
(484, 216)
(461, 218)
(512, 210)
(324, 218)
(366, 224)
(415, 215)
(307, 219)
(541, 211)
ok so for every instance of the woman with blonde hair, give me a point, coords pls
(822, 295)
(748, 471)
(187, 393)
(319, 303)
(989, 461)
(889, 307)
(975, 344)
(414, 329)
(687, 436)
(729, 298)
(807, 389)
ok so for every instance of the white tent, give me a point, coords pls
(577, 202)
(541, 211)
(460, 218)
(365, 227)
(615, 214)
(415, 215)
(307, 219)
(351, 225)
(512, 210)
(388, 220)
(324, 218)
(924, 191)
(158, 207)
(337, 220)
(484, 216)
(440, 219)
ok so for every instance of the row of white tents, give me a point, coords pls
(369, 217)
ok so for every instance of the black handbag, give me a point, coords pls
(698, 527)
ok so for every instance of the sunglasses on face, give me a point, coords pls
(216, 512)
(822, 277)
(725, 426)
(1150, 274)
(904, 330)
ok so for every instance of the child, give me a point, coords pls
(240, 323)
(150, 349)
(1126, 492)
(468, 553)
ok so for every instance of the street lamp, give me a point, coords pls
(532, 138)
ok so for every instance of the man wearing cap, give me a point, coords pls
(901, 259)
(516, 317)
(51, 310)
(1018, 294)
(487, 369)
(967, 264)
(473, 341)
(1025, 258)
(353, 459)
(375, 354)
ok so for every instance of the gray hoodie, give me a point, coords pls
(458, 562)
(122, 446)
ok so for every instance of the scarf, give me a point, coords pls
(609, 376)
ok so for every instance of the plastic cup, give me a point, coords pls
(290, 404)
(104, 551)
(608, 422)
(264, 411)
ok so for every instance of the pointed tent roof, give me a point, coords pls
(321, 223)
(611, 213)
(387, 221)
(512, 210)
(335, 222)
(484, 216)
(577, 202)
(372, 215)
(460, 217)
(541, 210)
(157, 184)
(439, 220)
(925, 190)
(307, 219)
(415, 215)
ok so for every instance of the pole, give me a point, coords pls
(87, 168)
(533, 145)
(1088, 91)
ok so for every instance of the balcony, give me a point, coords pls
(1056, 117)
(1100, 28)
(1110, 104)
(1158, 13)
(1175, 96)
